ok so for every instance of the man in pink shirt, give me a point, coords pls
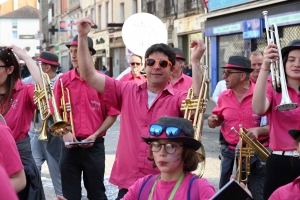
(235, 108)
(140, 105)
(135, 74)
(179, 80)
(91, 117)
(291, 190)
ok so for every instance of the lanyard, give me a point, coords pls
(174, 189)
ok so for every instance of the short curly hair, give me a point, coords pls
(163, 48)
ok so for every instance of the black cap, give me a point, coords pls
(179, 54)
(74, 42)
(295, 44)
(239, 63)
(48, 58)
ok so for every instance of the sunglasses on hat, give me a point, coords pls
(171, 131)
(162, 63)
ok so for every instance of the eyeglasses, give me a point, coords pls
(169, 148)
(171, 131)
(135, 63)
(4, 66)
(227, 73)
(162, 63)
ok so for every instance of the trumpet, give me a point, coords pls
(277, 68)
(247, 152)
(43, 130)
(42, 97)
(66, 106)
(194, 109)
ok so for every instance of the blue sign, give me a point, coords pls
(219, 4)
(252, 29)
(225, 29)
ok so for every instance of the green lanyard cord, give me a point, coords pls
(174, 189)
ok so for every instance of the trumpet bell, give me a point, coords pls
(43, 137)
(60, 128)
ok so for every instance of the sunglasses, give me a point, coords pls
(4, 66)
(162, 63)
(227, 73)
(171, 131)
(135, 63)
(169, 148)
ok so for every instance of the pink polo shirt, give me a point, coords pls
(289, 191)
(282, 121)
(6, 189)
(183, 83)
(88, 109)
(236, 113)
(138, 79)
(164, 189)
(21, 111)
(131, 160)
(9, 155)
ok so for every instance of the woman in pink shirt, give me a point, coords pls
(283, 165)
(17, 107)
(173, 151)
(291, 190)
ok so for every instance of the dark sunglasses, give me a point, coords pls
(227, 73)
(135, 63)
(171, 131)
(162, 63)
(4, 66)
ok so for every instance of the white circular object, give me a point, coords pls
(142, 30)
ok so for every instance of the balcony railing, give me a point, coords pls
(190, 5)
(151, 7)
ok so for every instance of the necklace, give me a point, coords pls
(174, 189)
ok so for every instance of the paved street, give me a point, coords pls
(210, 141)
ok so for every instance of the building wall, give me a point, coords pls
(25, 27)
(9, 5)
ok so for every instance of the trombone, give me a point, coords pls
(194, 109)
(277, 68)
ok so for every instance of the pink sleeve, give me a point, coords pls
(10, 156)
(133, 191)
(206, 190)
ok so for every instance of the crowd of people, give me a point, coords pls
(156, 137)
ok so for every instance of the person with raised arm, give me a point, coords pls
(152, 99)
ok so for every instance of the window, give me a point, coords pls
(107, 12)
(86, 13)
(169, 7)
(122, 12)
(15, 34)
(14, 24)
(151, 7)
(93, 13)
(134, 7)
(99, 16)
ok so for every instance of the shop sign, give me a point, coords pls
(220, 4)
(285, 18)
(252, 29)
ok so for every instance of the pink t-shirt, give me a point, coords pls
(88, 109)
(132, 101)
(10, 156)
(289, 191)
(138, 79)
(163, 189)
(282, 121)
(235, 113)
(184, 82)
(21, 111)
(6, 189)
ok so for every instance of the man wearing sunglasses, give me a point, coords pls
(234, 108)
(135, 74)
(139, 105)
(179, 80)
